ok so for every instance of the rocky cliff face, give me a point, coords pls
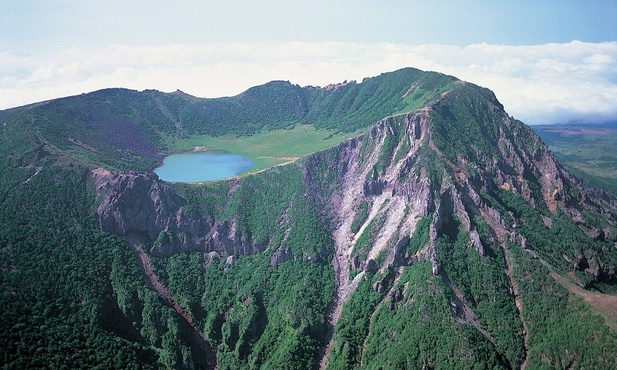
(458, 177)
(142, 206)
(444, 237)
(373, 190)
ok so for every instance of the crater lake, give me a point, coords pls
(202, 166)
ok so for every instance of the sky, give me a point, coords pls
(549, 61)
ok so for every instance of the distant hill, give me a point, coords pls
(589, 151)
(433, 231)
(124, 129)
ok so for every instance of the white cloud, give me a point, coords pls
(548, 83)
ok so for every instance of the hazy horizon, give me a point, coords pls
(547, 63)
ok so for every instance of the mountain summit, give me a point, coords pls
(440, 233)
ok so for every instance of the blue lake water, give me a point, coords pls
(202, 166)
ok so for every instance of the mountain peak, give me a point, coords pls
(437, 231)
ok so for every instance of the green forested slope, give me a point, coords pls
(74, 296)
(128, 130)
(58, 301)
(447, 237)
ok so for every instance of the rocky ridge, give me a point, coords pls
(384, 169)
(374, 192)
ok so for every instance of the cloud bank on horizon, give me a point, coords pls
(539, 84)
(521, 50)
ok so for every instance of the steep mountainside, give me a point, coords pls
(127, 130)
(586, 150)
(445, 236)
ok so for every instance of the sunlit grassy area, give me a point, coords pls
(266, 149)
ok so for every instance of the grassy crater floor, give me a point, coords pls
(265, 149)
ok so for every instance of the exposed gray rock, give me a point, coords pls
(230, 260)
(141, 204)
(476, 243)
(436, 266)
(402, 191)
(211, 257)
(401, 258)
(598, 234)
(280, 256)
(371, 266)
(547, 221)
(382, 284)
(395, 295)
(374, 185)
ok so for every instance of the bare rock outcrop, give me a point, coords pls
(476, 243)
(280, 256)
(134, 203)
(142, 205)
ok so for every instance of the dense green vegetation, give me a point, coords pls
(59, 273)
(257, 315)
(413, 328)
(562, 238)
(129, 130)
(351, 106)
(558, 319)
(73, 296)
(464, 127)
(484, 286)
(353, 327)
